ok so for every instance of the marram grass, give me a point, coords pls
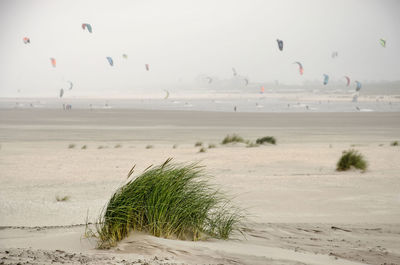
(351, 159)
(171, 201)
(266, 139)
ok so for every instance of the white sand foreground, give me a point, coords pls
(299, 209)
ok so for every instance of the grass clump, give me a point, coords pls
(70, 146)
(266, 139)
(149, 146)
(351, 159)
(394, 143)
(234, 138)
(84, 147)
(171, 201)
(210, 146)
(197, 144)
(117, 146)
(175, 146)
(202, 150)
(62, 198)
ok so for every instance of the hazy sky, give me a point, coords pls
(181, 39)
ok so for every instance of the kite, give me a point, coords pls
(348, 80)
(358, 86)
(26, 40)
(70, 85)
(167, 95)
(87, 26)
(234, 72)
(326, 79)
(53, 61)
(301, 70)
(125, 56)
(147, 67)
(280, 44)
(382, 42)
(110, 61)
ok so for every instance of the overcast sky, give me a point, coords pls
(181, 39)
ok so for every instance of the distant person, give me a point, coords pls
(235, 109)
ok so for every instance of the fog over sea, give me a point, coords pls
(384, 97)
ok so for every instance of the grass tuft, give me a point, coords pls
(394, 143)
(149, 146)
(117, 146)
(84, 147)
(351, 159)
(171, 201)
(202, 150)
(234, 138)
(62, 198)
(197, 144)
(210, 146)
(70, 146)
(175, 146)
(266, 139)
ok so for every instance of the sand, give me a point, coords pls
(299, 209)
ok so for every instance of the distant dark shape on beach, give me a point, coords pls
(110, 61)
(280, 44)
(26, 40)
(61, 93)
(355, 98)
(87, 26)
(147, 67)
(334, 54)
(246, 80)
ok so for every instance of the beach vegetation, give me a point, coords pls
(62, 198)
(84, 147)
(197, 144)
(351, 159)
(266, 139)
(202, 150)
(70, 146)
(149, 146)
(234, 138)
(117, 146)
(175, 146)
(210, 146)
(394, 143)
(171, 201)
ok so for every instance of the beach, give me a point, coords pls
(298, 208)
